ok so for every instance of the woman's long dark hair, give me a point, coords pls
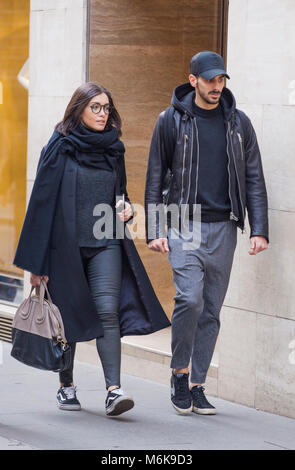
(78, 103)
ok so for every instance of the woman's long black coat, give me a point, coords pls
(48, 245)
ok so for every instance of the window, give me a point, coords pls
(14, 51)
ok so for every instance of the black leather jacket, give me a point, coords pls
(169, 170)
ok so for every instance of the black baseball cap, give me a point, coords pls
(207, 64)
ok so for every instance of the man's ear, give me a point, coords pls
(193, 80)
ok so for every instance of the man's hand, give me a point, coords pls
(159, 244)
(257, 244)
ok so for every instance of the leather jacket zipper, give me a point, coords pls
(242, 207)
(198, 158)
(183, 166)
(191, 162)
(232, 215)
(241, 145)
(169, 187)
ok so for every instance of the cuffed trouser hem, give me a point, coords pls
(197, 380)
(175, 365)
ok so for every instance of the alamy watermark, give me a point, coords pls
(184, 220)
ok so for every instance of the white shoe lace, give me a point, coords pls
(118, 391)
(69, 392)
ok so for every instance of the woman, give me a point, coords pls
(93, 270)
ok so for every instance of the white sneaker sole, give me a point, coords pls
(204, 411)
(68, 407)
(121, 405)
(182, 411)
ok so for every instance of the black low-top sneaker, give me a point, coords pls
(180, 394)
(117, 402)
(200, 402)
(67, 399)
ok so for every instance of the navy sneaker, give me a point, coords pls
(180, 394)
(201, 405)
(67, 399)
(117, 402)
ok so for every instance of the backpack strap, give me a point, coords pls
(169, 134)
(168, 139)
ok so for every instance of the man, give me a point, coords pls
(207, 150)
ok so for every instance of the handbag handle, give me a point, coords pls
(43, 288)
(40, 291)
(25, 311)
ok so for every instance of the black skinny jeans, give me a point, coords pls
(103, 269)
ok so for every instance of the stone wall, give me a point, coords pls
(257, 340)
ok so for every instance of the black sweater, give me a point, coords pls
(95, 186)
(212, 179)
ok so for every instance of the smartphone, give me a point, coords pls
(120, 208)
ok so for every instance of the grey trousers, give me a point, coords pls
(201, 276)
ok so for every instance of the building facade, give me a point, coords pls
(140, 51)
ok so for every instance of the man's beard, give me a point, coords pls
(207, 97)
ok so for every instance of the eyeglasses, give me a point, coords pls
(96, 108)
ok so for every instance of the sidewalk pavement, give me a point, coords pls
(30, 419)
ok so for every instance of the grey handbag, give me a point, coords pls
(38, 337)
